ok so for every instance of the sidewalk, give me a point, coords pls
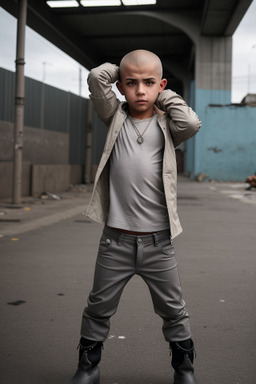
(35, 213)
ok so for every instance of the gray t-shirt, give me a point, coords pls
(137, 200)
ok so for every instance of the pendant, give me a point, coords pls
(140, 140)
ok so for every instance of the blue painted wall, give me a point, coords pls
(189, 159)
(225, 148)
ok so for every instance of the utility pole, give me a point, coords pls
(19, 103)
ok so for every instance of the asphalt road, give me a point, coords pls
(46, 274)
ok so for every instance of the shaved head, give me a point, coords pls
(141, 82)
(140, 58)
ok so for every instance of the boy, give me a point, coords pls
(135, 196)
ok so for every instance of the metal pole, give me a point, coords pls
(19, 103)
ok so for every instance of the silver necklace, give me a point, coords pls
(140, 138)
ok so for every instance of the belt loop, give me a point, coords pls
(155, 237)
(120, 239)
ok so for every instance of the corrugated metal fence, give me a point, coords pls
(48, 108)
(69, 131)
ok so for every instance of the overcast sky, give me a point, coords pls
(45, 61)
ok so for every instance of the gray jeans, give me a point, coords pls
(120, 256)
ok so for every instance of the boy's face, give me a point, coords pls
(141, 86)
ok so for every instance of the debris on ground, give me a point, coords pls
(79, 188)
(252, 182)
(49, 195)
(202, 177)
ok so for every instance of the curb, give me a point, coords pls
(42, 221)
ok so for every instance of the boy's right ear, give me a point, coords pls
(120, 87)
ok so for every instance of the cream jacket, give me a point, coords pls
(177, 121)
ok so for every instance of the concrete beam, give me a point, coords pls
(237, 16)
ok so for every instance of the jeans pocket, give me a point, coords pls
(169, 249)
(105, 243)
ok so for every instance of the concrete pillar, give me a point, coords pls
(213, 68)
(213, 64)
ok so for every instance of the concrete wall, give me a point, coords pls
(6, 170)
(76, 174)
(49, 178)
(38, 179)
(40, 146)
(224, 149)
(55, 133)
(226, 145)
(45, 162)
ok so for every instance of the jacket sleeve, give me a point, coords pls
(184, 122)
(104, 99)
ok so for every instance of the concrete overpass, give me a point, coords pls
(193, 38)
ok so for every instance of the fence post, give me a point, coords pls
(88, 154)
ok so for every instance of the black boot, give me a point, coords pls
(182, 362)
(89, 356)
